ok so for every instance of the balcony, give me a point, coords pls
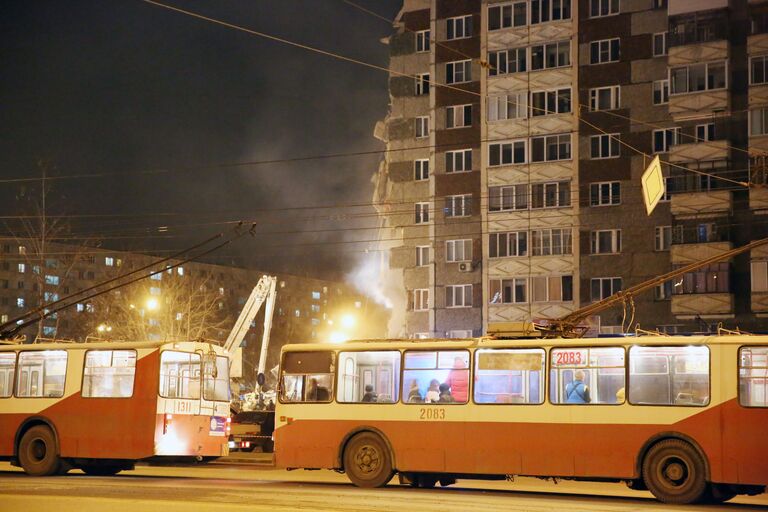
(706, 202)
(702, 304)
(713, 150)
(684, 254)
(760, 302)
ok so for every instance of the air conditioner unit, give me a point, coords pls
(465, 266)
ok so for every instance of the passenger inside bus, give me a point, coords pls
(369, 395)
(316, 393)
(414, 395)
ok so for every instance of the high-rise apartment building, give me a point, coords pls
(516, 138)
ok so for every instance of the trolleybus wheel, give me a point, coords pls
(674, 472)
(367, 461)
(100, 470)
(37, 452)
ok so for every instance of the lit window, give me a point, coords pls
(22, 268)
(109, 373)
(109, 261)
(20, 302)
(316, 295)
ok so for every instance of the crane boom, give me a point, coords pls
(264, 291)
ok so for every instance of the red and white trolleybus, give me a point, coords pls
(683, 416)
(101, 407)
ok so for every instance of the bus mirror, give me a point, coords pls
(260, 379)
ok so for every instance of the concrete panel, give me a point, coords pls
(698, 203)
(684, 104)
(693, 53)
(757, 44)
(702, 304)
(684, 254)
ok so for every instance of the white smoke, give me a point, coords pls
(373, 278)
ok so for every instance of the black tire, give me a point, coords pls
(268, 446)
(100, 470)
(675, 472)
(367, 461)
(38, 453)
(718, 493)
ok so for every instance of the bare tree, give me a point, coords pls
(175, 307)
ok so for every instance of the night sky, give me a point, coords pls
(161, 103)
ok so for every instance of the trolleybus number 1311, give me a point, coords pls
(431, 414)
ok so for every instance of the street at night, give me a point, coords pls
(221, 487)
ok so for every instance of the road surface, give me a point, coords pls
(240, 487)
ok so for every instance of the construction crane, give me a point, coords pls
(263, 294)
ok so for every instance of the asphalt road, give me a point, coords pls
(234, 487)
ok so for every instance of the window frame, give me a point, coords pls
(421, 260)
(457, 155)
(133, 384)
(466, 71)
(706, 75)
(403, 369)
(421, 125)
(423, 84)
(455, 114)
(200, 377)
(499, 149)
(610, 58)
(453, 23)
(752, 61)
(596, 200)
(664, 46)
(612, 279)
(521, 349)
(421, 292)
(613, 145)
(423, 37)
(464, 243)
(13, 374)
(709, 375)
(546, 51)
(511, 6)
(420, 170)
(594, 242)
(587, 347)
(421, 213)
(561, 96)
(663, 91)
(459, 290)
(739, 367)
(510, 100)
(396, 376)
(599, 3)
(615, 98)
(464, 203)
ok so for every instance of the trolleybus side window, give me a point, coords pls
(179, 374)
(216, 380)
(509, 376)
(109, 373)
(436, 376)
(587, 375)
(42, 373)
(7, 369)
(307, 376)
(370, 377)
(669, 375)
(753, 376)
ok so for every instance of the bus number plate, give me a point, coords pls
(429, 413)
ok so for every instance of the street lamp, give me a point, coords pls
(348, 321)
(152, 304)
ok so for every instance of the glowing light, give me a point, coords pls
(338, 337)
(152, 304)
(104, 328)
(348, 321)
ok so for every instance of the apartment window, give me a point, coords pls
(659, 44)
(551, 148)
(458, 206)
(154, 276)
(154, 290)
(604, 51)
(659, 4)
(604, 98)
(422, 213)
(550, 102)
(698, 77)
(508, 106)
(663, 291)
(705, 132)
(552, 289)
(421, 299)
(551, 195)
(507, 61)
(551, 242)
(422, 255)
(758, 67)
(599, 8)
(514, 243)
(110, 262)
(660, 92)
(458, 116)
(52, 280)
(543, 11)
(758, 121)
(458, 250)
(605, 194)
(459, 27)
(713, 278)
(422, 126)
(512, 197)
(22, 250)
(20, 302)
(458, 161)
(421, 169)
(458, 296)
(22, 268)
(663, 238)
(665, 139)
(508, 291)
(606, 241)
(604, 146)
(458, 72)
(422, 41)
(507, 15)
(551, 55)
(422, 84)
(507, 153)
(603, 287)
